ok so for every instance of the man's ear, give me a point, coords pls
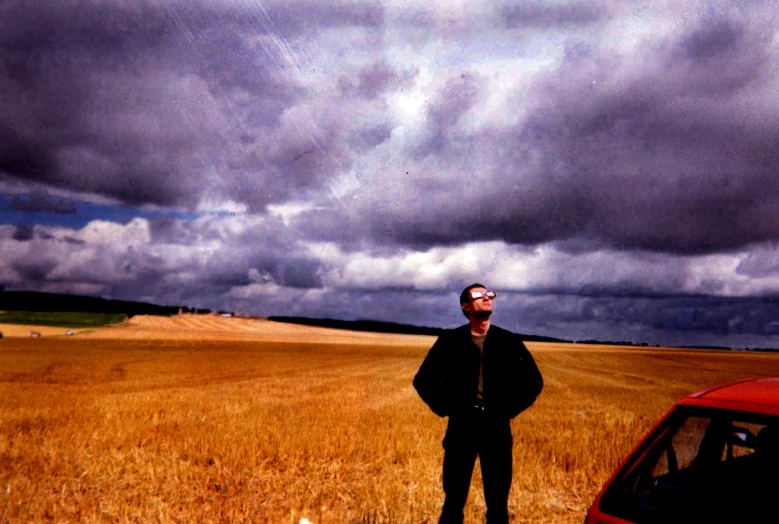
(466, 308)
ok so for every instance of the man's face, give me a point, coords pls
(480, 308)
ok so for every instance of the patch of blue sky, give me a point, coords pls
(75, 215)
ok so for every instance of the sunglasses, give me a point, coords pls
(478, 294)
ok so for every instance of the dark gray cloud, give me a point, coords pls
(144, 102)
(375, 78)
(23, 233)
(671, 320)
(35, 270)
(541, 14)
(300, 273)
(455, 99)
(712, 40)
(672, 148)
(760, 263)
(370, 138)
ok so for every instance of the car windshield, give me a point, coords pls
(700, 465)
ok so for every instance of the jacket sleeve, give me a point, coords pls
(429, 380)
(528, 383)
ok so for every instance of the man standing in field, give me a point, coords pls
(480, 376)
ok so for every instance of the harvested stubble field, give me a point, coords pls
(236, 420)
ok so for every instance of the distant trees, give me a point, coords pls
(51, 302)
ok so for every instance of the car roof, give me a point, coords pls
(759, 395)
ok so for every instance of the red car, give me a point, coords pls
(714, 457)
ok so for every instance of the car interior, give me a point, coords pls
(701, 466)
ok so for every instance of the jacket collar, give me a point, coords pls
(465, 331)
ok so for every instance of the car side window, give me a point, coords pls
(684, 447)
(698, 466)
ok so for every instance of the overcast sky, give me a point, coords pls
(609, 167)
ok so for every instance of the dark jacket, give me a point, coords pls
(449, 376)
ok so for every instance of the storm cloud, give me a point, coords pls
(616, 159)
(166, 103)
(670, 145)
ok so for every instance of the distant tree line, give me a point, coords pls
(54, 302)
(377, 326)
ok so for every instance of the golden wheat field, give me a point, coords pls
(239, 420)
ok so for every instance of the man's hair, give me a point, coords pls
(465, 296)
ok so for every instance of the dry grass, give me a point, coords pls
(94, 429)
(23, 330)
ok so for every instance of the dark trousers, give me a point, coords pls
(470, 434)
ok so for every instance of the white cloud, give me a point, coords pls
(544, 268)
(133, 234)
(209, 205)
